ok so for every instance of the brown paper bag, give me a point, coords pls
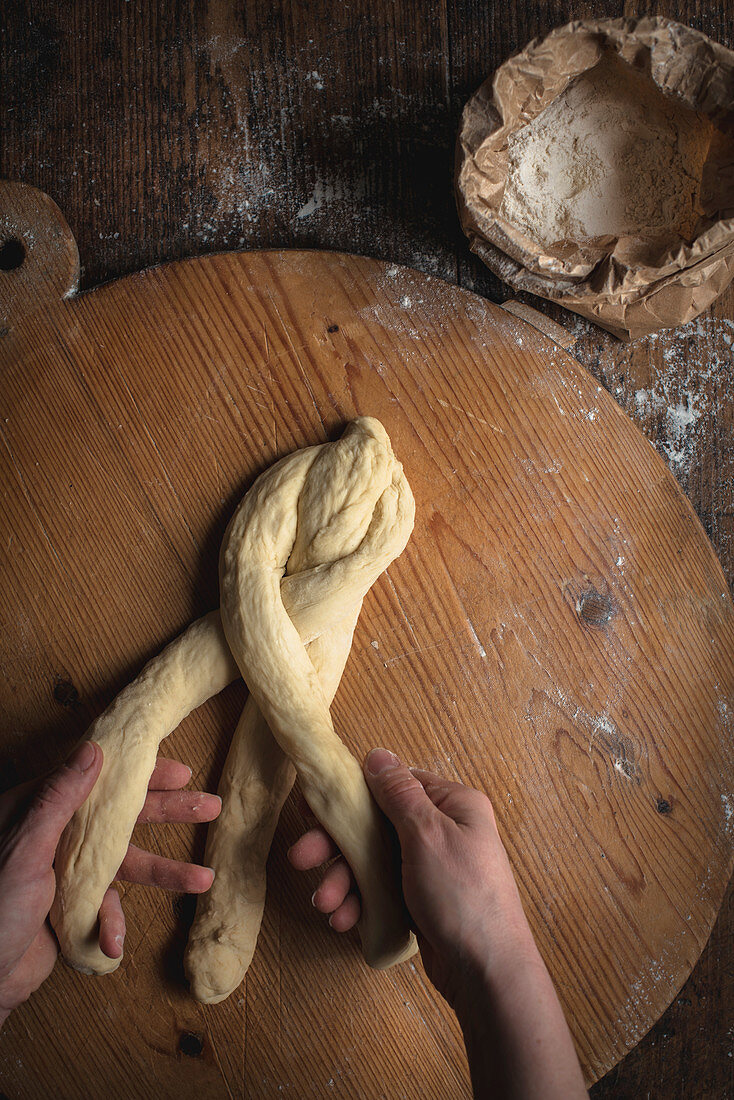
(633, 242)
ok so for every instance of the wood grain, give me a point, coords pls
(39, 259)
(558, 633)
(167, 130)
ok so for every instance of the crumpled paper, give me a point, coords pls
(630, 286)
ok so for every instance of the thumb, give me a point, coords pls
(57, 799)
(396, 790)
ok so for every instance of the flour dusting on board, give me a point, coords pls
(684, 396)
(676, 385)
(728, 807)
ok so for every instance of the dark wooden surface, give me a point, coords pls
(167, 130)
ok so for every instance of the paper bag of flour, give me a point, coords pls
(596, 169)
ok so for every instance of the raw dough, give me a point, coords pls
(192, 668)
(341, 513)
(334, 517)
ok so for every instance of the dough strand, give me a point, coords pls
(331, 517)
(302, 550)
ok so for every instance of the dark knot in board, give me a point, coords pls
(65, 693)
(595, 608)
(191, 1044)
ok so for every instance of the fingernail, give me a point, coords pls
(214, 873)
(82, 758)
(313, 898)
(379, 760)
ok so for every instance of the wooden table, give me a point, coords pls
(170, 130)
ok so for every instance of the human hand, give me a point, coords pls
(475, 942)
(457, 881)
(32, 819)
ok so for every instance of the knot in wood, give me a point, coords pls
(595, 608)
(191, 1044)
(65, 693)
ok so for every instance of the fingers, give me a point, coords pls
(111, 924)
(464, 805)
(164, 804)
(346, 916)
(334, 887)
(436, 787)
(169, 775)
(58, 797)
(335, 894)
(149, 869)
(396, 791)
(430, 780)
(312, 849)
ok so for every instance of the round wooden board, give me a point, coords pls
(558, 633)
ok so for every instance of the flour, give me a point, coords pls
(611, 156)
(676, 385)
(322, 193)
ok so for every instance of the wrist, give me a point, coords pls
(492, 970)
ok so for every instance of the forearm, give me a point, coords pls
(518, 1044)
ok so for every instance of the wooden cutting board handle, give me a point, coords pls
(39, 259)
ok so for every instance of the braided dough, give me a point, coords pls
(304, 547)
(333, 518)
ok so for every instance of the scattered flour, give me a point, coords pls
(683, 401)
(322, 193)
(325, 192)
(676, 384)
(726, 802)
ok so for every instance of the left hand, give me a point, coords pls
(32, 819)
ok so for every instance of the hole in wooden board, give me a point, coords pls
(12, 254)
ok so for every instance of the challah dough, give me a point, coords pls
(304, 547)
(335, 516)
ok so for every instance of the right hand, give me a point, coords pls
(475, 942)
(457, 880)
